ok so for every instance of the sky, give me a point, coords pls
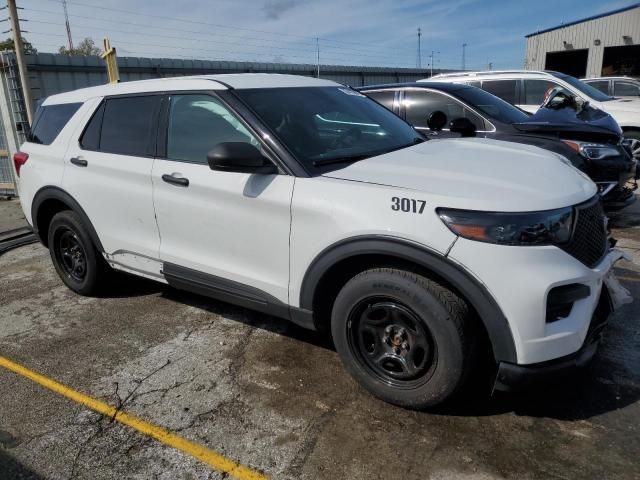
(342, 32)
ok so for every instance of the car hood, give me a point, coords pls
(631, 105)
(574, 120)
(477, 174)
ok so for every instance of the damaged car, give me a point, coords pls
(588, 137)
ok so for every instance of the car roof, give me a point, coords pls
(236, 81)
(442, 86)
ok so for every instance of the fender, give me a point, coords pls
(476, 294)
(56, 193)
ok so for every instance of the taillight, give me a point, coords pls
(19, 159)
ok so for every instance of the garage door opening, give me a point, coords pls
(571, 62)
(623, 60)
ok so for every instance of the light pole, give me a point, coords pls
(464, 60)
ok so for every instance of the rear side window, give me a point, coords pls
(50, 120)
(127, 124)
(505, 89)
(602, 85)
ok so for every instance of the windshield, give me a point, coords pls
(490, 105)
(322, 125)
(588, 90)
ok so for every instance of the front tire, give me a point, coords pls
(634, 137)
(405, 338)
(76, 259)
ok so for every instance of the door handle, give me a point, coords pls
(80, 162)
(183, 182)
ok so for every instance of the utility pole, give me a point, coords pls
(318, 57)
(464, 59)
(419, 56)
(432, 60)
(22, 64)
(66, 22)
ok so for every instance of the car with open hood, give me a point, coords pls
(587, 136)
(527, 89)
(305, 199)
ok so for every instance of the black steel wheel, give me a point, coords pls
(389, 339)
(70, 254)
(407, 339)
(75, 257)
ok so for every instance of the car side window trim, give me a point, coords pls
(465, 105)
(163, 129)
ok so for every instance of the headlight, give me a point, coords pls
(592, 151)
(549, 227)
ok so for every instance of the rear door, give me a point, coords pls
(222, 231)
(108, 172)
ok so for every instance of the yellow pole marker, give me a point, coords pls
(204, 454)
(110, 58)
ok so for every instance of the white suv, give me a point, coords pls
(526, 89)
(306, 200)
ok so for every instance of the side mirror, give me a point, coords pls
(463, 126)
(239, 157)
(437, 120)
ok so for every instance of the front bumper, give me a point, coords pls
(512, 377)
(520, 279)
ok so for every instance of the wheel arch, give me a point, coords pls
(330, 270)
(50, 200)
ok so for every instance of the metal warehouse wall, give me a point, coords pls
(53, 73)
(609, 30)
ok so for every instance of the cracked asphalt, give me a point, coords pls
(275, 397)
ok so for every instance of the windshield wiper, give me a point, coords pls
(363, 156)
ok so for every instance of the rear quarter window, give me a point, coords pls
(50, 120)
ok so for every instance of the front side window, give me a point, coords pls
(50, 120)
(128, 124)
(384, 98)
(584, 88)
(322, 125)
(626, 89)
(505, 89)
(421, 104)
(197, 123)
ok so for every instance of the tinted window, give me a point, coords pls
(626, 89)
(197, 123)
(490, 105)
(127, 125)
(587, 90)
(384, 98)
(505, 89)
(50, 120)
(329, 124)
(421, 104)
(536, 90)
(91, 137)
(602, 85)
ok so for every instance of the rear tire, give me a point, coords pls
(78, 263)
(405, 338)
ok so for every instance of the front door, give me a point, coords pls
(231, 227)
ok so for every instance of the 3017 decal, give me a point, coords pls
(407, 205)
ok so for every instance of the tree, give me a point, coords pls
(85, 47)
(8, 45)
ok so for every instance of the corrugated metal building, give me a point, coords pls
(602, 45)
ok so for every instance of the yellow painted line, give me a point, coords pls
(628, 279)
(204, 454)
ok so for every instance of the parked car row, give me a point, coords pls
(588, 137)
(307, 200)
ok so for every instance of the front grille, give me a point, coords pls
(588, 243)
